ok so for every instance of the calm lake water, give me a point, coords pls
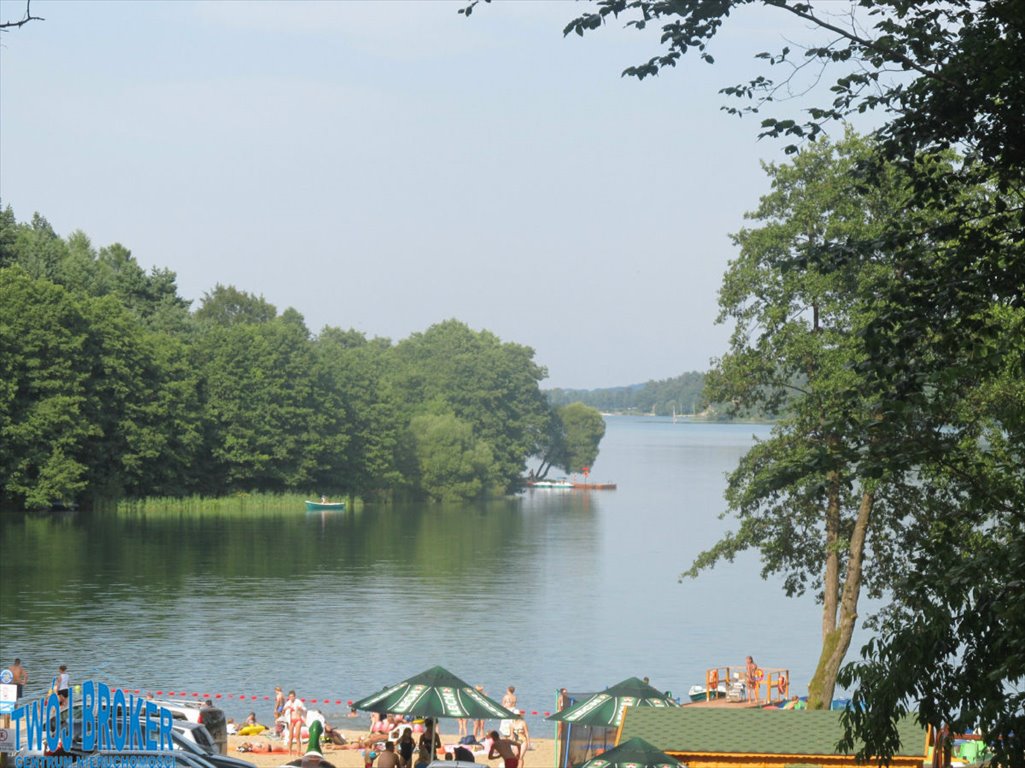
(549, 589)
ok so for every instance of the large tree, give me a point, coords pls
(487, 383)
(810, 498)
(946, 73)
(574, 436)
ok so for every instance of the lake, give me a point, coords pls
(548, 589)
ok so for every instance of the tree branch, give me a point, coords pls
(870, 45)
(28, 17)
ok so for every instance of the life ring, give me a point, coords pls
(759, 675)
(713, 679)
(781, 684)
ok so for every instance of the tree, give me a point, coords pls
(42, 392)
(227, 305)
(488, 384)
(948, 74)
(803, 497)
(577, 430)
(450, 462)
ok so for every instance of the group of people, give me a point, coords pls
(408, 752)
(290, 718)
(61, 683)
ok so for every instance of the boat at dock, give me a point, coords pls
(585, 486)
(318, 506)
(559, 484)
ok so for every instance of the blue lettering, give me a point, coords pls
(88, 716)
(135, 722)
(34, 726)
(120, 724)
(166, 719)
(103, 717)
(53, 722)
(68, 731)
(17, 716)
(151, 727)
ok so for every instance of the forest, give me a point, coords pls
(683, 394)
(114, 386)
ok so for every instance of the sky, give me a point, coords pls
(388, 165)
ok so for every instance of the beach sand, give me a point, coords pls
(540, 755)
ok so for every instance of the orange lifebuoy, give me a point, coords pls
(781, 684)
(713, 679)
(759, 674)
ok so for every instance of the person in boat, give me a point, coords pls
(323, 499)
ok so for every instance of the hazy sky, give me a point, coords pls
(387, 165)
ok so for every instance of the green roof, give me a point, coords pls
(752, 731)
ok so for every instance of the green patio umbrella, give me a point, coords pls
(633, 753)
(606, 708)
(435, 693)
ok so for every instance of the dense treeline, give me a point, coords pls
(110, 386)
(683, 394)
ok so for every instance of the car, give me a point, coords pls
(195, 735)
(194, 739)
(195, 712)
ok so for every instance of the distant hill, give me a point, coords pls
(682, 394)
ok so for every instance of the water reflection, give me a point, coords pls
(548, 589)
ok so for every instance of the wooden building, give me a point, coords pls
(758, 738)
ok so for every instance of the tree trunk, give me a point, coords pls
(831, 578)
(836, 642)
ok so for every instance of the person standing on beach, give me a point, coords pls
(509, 702)
(478, 725)
(279, 702)
(751, 679)
(509, 751)
(295, 712)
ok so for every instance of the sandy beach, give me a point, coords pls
(540, 755)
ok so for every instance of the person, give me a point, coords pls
(279, 702)
(62, 684)
(751, 679)
(509, 702)
(461, 753)
(19, 676)
(388, 758)
(478, 725)
(563, 699)
(250, 727)
(294, 712)
(430, 739)
(369, 756)
(519, 730)
(462, 724)
(509, 751)
(406, 746)
(423, 758)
